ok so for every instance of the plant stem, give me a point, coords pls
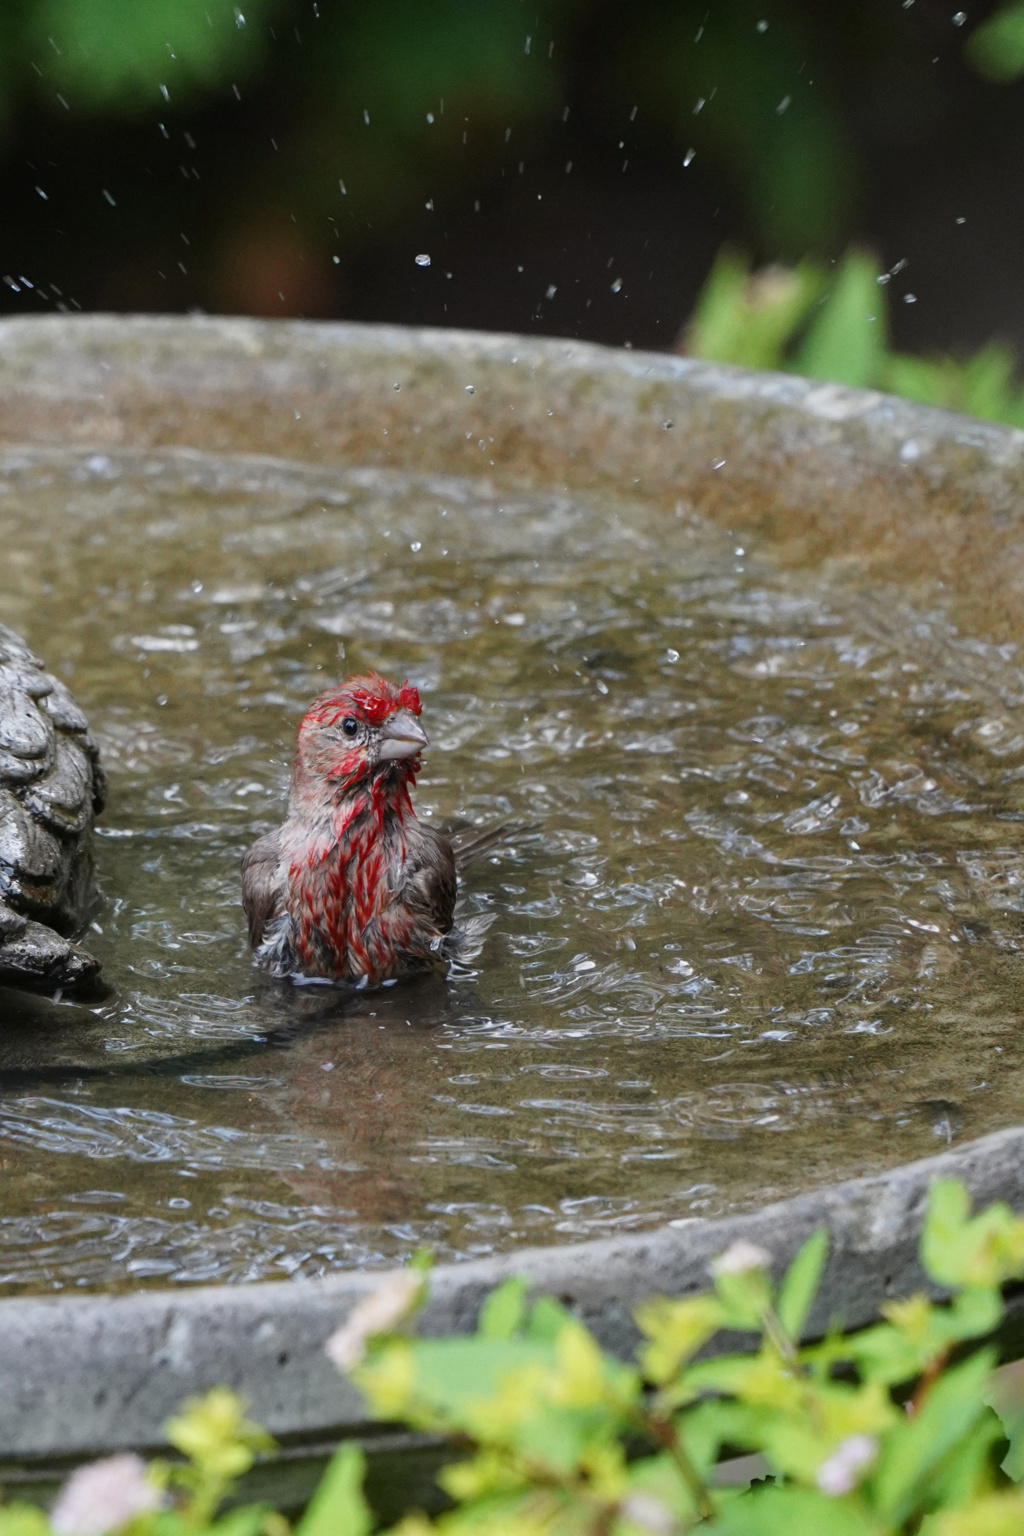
(663, 1433)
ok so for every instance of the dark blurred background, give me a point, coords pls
(569, 167)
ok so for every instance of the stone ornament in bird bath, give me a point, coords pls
(51, 787)
(747, 525)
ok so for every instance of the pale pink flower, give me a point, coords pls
(842, 1471)
(379, 1312)
(649, 1513)
(104, 1496)
(740, 1257)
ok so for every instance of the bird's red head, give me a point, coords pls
(356, 728)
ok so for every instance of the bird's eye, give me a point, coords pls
(350, 725)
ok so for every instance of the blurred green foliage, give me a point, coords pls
(758, 99)
(128, 54)
(833, 326)
(996, 48)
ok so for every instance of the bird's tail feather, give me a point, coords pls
(472, 843)
(465, 941)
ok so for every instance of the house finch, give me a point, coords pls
(353, 888)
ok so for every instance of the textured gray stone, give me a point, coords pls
(51, 786)
(62, 798)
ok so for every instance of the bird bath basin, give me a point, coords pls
(745, 645)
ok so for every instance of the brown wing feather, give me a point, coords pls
(472, 843)
(429, 886)
(261, 890)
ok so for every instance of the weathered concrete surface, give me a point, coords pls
(90, 1374)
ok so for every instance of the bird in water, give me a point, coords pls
(353, 887)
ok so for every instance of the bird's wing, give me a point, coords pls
(429, 885)
(261, 885)
(471, 843)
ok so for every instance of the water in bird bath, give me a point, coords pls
(768, 935)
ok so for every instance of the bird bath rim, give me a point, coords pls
(815, 468)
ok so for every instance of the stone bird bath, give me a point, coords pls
(892, 491)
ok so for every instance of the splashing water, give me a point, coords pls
(768, 935)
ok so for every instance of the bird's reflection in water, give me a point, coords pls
(362, 1076)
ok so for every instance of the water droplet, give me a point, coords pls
(551, 291)
(336, 260)
(416, 546)
(617, 285)
(423, 260)
(470, 389)
(910, 298)
(668, 424)
(602, 686)
(672, 656)
(109, 199)
(959, 18)
(430, 117)
(396, 386)
(342, 187)
(762, 26)
(239, 18)
(366, 117)
(691, 154)
(739, 551)
(783, 104)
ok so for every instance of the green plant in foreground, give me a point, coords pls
(889, 1430)
(833, 327)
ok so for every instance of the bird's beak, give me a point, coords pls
(402, 736)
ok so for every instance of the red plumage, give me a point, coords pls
(353, 887)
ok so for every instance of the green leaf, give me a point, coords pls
(846, 343)
(968, 1469)
(501, 1315)
(250, 1520)
(769, 1511)
(997, 1514)
(675, 1331)
(338, 1507)
(912, 1452)
(996, 48)
(945, 1225)
(750, 319)
(23, 1520)
(800, 1286)
(547, 1319)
